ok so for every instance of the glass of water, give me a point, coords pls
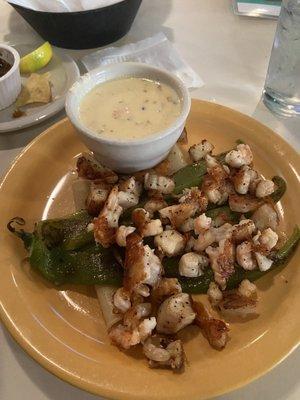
(282, 88)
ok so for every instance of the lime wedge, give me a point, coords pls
(37, 59)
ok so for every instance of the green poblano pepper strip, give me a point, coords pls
(189, 176)
(88, 265)
(286, 250)
(280, 189)
(95, 265)
(80, 240)
(200, 284)
(225, 212)
(70, 231)
(192, 175)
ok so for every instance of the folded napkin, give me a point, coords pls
(156, 50)
(63, 5)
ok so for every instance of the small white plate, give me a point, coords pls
(63, 73)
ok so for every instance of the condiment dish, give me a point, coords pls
(127, 155)
(10, 83)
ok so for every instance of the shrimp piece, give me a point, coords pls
(222, 261)
(263, 262)
(235, 303)
(142, 266)
(171, 355)
(165, 288)
(214, 294)
(140, 217)
(192, 264)
(106, 224)
(198, 151)
(129, 193)
(211, 162)
(268, 239)
(123, 337)
(254, 180)
(244, 256)
(152, 228)
(178, 213)
(247, 289)
(121, 300)
(223, 232)
(212, 235)
(243, 231)
(195, 197)
(241, 179)
(136, 327)
(264, 188)
(212, 190)
(135, 314)
(97, 197)
(242, 155)
(159, 183)
(154, 204)
(146, 327)
(174, 314)
(243, 203)
(145, 225)
(265, 217)
(202, 223)
(170, 242)
(204, 240)
(215, 185)
(215, 330)
(122, 233)
(187, 226)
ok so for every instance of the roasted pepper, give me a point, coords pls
(91, 264)
(88, 265)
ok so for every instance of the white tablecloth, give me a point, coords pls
(231, 54)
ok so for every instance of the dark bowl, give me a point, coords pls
(83, 29)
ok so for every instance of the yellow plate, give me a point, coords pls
(62, 328)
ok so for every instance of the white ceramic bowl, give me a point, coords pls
(134, 155)
(10, 83)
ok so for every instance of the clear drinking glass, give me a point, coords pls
(282, 88)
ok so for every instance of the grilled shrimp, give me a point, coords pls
(199, 151)
(142, 266)
(174, 314)
(170, 242)
(106, 224)
(242, 155)
(159, 183)
(222, 261)
(129, 193)
(215, 330)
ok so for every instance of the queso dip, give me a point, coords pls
(129, 108)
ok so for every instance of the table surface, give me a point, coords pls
(231, 54)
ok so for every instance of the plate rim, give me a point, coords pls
(67, 376)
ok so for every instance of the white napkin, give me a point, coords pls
(64, 5)
(156, 50)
